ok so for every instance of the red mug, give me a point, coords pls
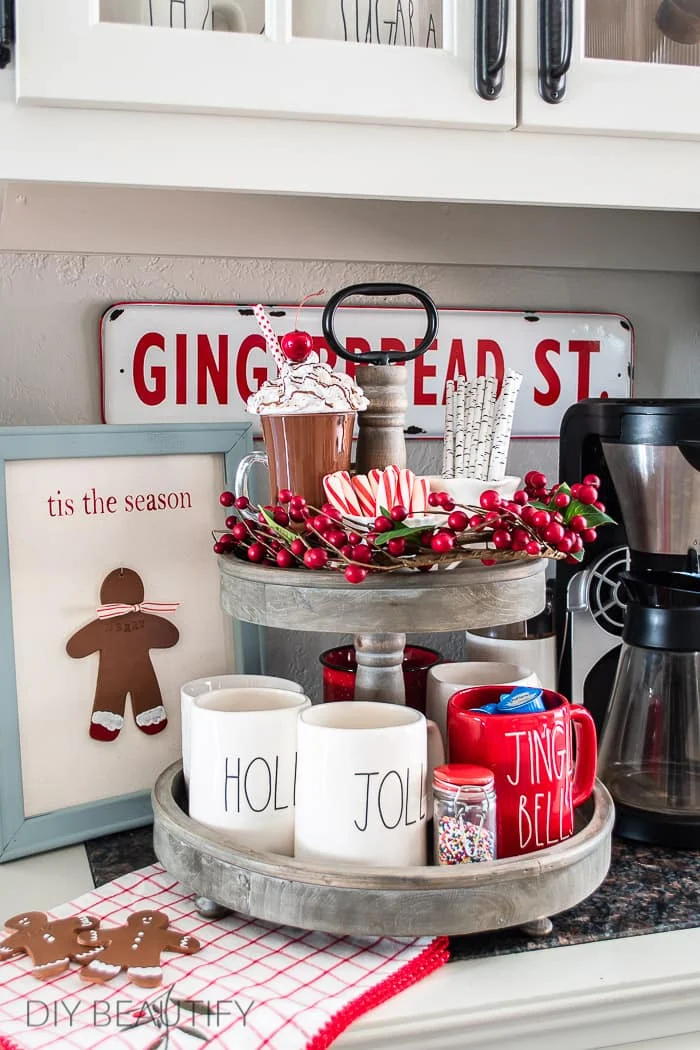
(538, 785)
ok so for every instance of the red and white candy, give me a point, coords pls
(365, 495)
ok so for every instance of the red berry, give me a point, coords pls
(476, 520)
(315, 558)
(513, 507)
(520, 497)
(296, 346)
(242, 503)
(285, 495)
(256, 552)
(519, 545)
(536, 479)
(297, 502)
(448, 504)
(239, 532)
(592, 479)
(589, 535)
(332, 512)
(533, 547)
(520, 536)
(562, 499)
(528, 514)
(280, 516)
(578, 523)
(599, 506)
(458, 520)
(285, 559)
(541, 519)
(398, 513)
(382, 524)
(396, 547)
(491, 516)
(230, 521)
(575, 489)
(227, 499)
(488, 561)
(554, 533)
(298, 547)
(443, 542)
(362, 553)
(426, 538)
(565, 544)
(369, 538)
(336, 537)
(588, 494)
(355, 573)
(346, 550)
(218, 548)
(578, 544)
(490, 500)
(501, 540)
(434, 499)
(227, 541)
(275, 545)
(353, 538)
(297, 515)
(320, 522)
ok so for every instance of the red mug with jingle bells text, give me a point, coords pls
(538, 785)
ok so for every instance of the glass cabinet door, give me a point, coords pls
(629, 67)
(408, 62)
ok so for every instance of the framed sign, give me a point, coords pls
(109, 603)
(194, 362)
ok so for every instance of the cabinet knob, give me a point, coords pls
(555, 40)
(491, 43)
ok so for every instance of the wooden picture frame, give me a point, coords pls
(60, 538)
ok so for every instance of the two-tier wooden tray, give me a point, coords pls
(362, 901)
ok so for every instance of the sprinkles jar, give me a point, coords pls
(464, 808)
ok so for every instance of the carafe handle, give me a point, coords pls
(586, 754)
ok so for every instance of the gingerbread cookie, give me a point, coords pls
(135, 948)
(124, 633)
(49, 944)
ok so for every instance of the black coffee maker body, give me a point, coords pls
(630, 613)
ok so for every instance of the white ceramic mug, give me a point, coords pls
(444, 680)
(244, 765)
(539, 653)
(362, 784)
(201, 686)
(177, 14)
(411, 23)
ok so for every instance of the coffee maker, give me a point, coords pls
(648, 455)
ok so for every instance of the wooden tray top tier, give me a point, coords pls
(362, 901)
(464, 598)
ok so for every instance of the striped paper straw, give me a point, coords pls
(488, 415)
(480, 391)
(448, 448)
(470, 422)
(503, 425)
(271, 339)
(460, 417)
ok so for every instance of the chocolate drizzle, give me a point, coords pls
(308, 387)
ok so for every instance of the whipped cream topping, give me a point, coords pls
(306, 388)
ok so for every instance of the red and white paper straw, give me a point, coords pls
(271, 339)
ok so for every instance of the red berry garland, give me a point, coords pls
(537, 522)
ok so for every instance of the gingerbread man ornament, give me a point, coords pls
(50, 944)
(124, 632)
(135, 948)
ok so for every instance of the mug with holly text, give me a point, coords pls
(538, 784)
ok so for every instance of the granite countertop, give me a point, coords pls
(647, 890)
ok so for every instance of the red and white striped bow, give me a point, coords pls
(106, 612)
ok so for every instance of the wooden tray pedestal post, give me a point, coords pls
(381, 442)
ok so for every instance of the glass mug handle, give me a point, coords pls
(240, 482)
(227, 15)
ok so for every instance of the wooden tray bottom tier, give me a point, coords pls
(381, 901)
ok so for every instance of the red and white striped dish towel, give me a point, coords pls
(263, 985)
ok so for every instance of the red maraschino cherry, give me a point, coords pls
(297, 345)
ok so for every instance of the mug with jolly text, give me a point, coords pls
(243, 765)
(538, 785)
(362, 784)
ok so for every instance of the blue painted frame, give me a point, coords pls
(20, 835)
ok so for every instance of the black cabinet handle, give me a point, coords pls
(491, 44)
(7, 33)
(555, 41)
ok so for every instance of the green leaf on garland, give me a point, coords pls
(401, 532)
(286, 534)
(386, 514)
(593, 516)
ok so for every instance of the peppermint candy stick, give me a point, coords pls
(448, 447)
(503, 425)
(271, 339)
(488, 415)
(479, 393)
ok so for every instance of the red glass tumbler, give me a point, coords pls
(340, 668)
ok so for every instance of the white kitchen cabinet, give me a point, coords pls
(626, 76)
(67, 56)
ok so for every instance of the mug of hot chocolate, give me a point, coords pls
(307, 416)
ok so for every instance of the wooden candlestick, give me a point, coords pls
(381, 440)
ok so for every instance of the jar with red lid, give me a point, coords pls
(464, 810)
